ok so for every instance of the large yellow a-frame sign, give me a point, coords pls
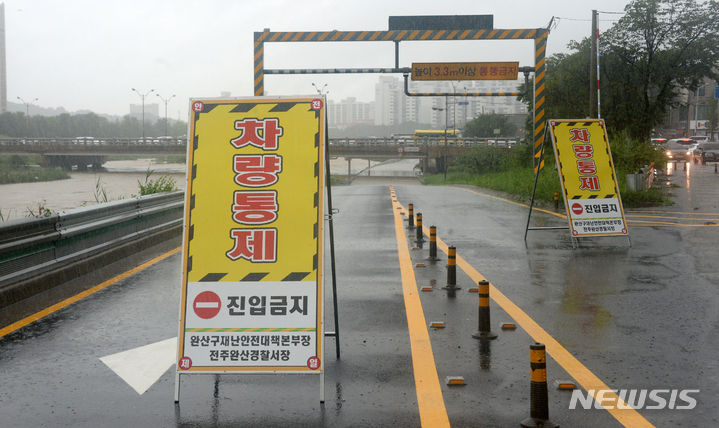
(252, 298)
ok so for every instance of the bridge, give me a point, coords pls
(88, 151)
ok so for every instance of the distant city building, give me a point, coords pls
(350, 112)
(3, 64)
(692, 114)
(392, 106)
(152, 111)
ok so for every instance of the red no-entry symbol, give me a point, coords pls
(577, 208)
(207, 304)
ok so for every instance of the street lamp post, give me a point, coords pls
(27, 114)
(444, 156)
(142, 96)
(166, 100)
(321, 90)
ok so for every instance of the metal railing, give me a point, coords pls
(31, 248)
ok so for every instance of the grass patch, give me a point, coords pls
(25, 169)
(519, 182)
(162, 184)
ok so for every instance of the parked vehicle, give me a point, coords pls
(678, 149)
(706, 152)
(659, 141)
(700, 138)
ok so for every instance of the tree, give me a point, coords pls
(483, 126)
(656, 49)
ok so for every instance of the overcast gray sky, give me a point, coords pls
(87, 54)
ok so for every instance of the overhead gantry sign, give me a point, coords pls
(416, 28)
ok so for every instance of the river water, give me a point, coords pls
(119, 180)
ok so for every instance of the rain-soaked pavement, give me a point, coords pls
(639, 317)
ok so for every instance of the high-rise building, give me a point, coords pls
(393, 106)
(349, 112)
(3, 65)
(152, 111)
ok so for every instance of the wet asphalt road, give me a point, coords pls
(639, 317)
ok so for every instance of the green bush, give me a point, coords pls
(511, 171)
(162, 184)
(631, 155)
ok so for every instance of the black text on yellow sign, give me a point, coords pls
(586, 173)
(465, 71)
(252, 282)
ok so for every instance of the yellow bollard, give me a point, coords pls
(410, 219)
(433, 243)
(539, 401)
(484, 331)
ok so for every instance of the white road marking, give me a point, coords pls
(142, 367)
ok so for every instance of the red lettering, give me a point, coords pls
(586, 167)
(583, 151)
(581, 134)
(255, 207)
(255, 245)
(263, 134)
(589, 183)
(257, 170)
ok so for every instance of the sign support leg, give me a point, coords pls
(177, 387)
(534, 190)
(322, 387)
(328, 180)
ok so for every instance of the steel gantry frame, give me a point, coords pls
(539, 35)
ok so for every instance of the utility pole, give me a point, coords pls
(142, 96)
(593, 55)
(27, 114)
(166, 100)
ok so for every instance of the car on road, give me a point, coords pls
(677, 149)
(700, 138)
(660, 142)
(706, 152)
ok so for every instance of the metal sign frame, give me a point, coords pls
(538, 35)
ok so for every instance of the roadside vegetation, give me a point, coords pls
(510, 171)
(26, 169)
(655, 52)
(161, 184)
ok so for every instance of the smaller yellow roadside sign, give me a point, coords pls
(465, 70)
(586, 173)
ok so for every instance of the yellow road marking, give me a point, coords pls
(671, 212)
(521, 204)
(671, 223)
(588, 380)
(673, 217)
(563, 216)
(432, 412)
(70, 300)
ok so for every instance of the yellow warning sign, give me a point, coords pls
(586, 172)
(252, 248)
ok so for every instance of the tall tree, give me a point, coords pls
(657, 49)
(484, 125)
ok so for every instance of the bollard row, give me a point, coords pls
(539, 401)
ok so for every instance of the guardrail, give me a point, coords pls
(41, 253)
